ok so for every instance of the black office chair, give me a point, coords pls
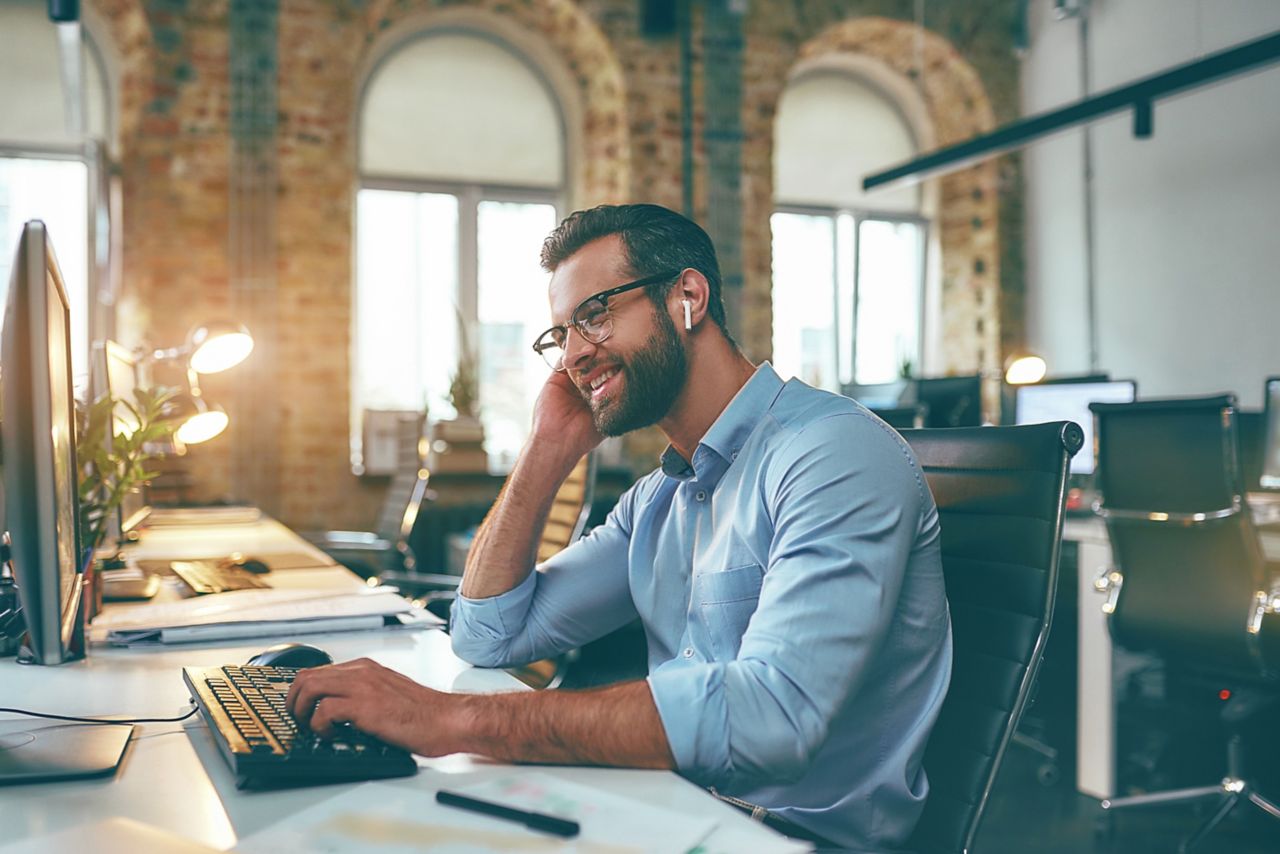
(1190, 582)
(1000, 493)
(565, 524)
(951, 401)
(386, 548)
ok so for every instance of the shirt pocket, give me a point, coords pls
(727, 599)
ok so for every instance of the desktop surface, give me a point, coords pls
(174, 778)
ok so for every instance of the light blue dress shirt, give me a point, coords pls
(790, 586)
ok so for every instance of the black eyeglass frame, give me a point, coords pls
(542, 343)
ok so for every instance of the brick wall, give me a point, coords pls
(176, 168)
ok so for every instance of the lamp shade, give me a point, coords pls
(218, 346)
(1024, 369)
(197, 421)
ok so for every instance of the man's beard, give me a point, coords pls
(652, 378)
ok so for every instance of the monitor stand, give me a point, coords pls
(44, 751)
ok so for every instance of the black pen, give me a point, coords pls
(533, 820)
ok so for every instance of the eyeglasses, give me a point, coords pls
(591, 318)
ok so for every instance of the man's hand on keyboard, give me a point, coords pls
(375, 700)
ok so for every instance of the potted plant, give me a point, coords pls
(457, 444)
(116, 439)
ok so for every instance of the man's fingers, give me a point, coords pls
(329, 711)
(310, 686)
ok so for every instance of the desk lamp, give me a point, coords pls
(1024, 368)
(1021, 368)
(209, 349)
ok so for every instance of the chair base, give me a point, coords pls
(1232, 791)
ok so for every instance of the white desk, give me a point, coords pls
(173, 777)
(1095, 691)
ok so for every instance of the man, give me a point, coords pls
(784, 562)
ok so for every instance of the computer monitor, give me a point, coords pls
(952, 401)
(1039, 403)
(876, 395)
(40, 481)
(115, 372)
(1009, 393)
(1271, 444)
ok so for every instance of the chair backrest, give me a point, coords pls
(1000, 493)
(952, 401)
(569, 509)
(408, 484)
(1181, 536)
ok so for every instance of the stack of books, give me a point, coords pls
(457, 446)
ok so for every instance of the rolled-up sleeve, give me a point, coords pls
(576, 596)
(843, 528)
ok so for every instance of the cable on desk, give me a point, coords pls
(194, 709)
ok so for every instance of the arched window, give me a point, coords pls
(848, 268)
(462, 171)
(47, 171)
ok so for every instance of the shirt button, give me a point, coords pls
(688, 652)
(734, 455)
(701, 496)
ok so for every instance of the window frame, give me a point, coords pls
(470, 195)
(99, 292)
(860, 215)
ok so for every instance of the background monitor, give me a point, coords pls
(1037, 404)
(876, 395)
(115, 372)
(952, 401)
(1009, 392)
(1271, 442)
(40, 482)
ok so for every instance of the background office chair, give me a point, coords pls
(1000, 494)
(386, 548)
(951, 401)
(565, 524)
(1190, 581)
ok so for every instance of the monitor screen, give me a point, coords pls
(115, 372)
(1037, 404)
(876, 396)
(39, 436)
(1271, 446)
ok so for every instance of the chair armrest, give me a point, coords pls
(359, 541)
(418, 583)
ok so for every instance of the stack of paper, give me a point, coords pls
(259, 613)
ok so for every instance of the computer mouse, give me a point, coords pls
(297, 655)
(252, 564)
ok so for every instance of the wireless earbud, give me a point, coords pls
(688, 317)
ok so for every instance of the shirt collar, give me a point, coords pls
(730, 430)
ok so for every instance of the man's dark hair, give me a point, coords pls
(654, 239)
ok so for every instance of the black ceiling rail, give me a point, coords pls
(1138, 96)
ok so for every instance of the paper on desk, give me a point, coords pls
(377, 818)
(244, 613)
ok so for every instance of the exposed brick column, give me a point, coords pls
(722, 37)
(251, 248)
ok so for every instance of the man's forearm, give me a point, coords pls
(505, 546)
(618, 725)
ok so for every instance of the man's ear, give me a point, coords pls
(694, 290)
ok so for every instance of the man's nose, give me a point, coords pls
(577, 349)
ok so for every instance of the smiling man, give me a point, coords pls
(783, 560)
